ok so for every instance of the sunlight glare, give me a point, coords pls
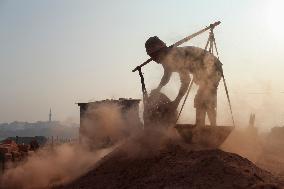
(275, 15)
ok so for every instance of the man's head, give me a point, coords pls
(156, 49)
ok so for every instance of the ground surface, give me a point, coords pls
(173, 165)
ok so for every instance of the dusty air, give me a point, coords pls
(135, 99)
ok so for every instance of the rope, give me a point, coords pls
(228, 97)
(216, 49)
(187, 93)
(224, 81)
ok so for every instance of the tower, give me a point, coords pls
(50, 115)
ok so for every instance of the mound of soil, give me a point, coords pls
(173, 166)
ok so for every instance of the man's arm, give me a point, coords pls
(185, 80)
(165, 79)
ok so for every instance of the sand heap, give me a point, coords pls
(174, 165)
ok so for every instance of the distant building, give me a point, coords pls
(108, 120)
(27, 140)
(50, 115)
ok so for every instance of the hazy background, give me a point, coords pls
(56, 53)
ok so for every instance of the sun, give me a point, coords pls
(275, 16)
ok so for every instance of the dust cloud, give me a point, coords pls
(52, 166)
(264, 149)
(112, 124)
(61, 164)
(244, 142)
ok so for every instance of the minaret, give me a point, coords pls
(50, 115)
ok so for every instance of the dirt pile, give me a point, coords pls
(174, 165)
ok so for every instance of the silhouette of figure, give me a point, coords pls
(34, 145)
(2, 162)
(204, 67)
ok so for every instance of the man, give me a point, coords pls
(205, 68)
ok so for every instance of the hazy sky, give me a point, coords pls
(56, 53)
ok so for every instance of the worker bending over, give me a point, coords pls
(205, 68)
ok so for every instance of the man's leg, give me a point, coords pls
(211, 112)
(200, 117)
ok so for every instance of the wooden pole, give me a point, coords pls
(211, 26)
